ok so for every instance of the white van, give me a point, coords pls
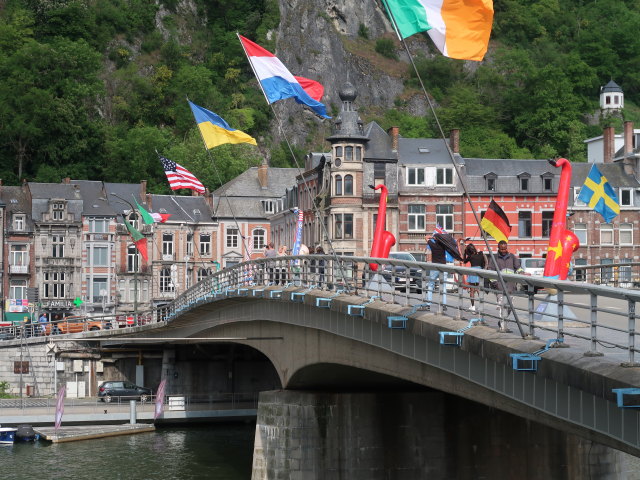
(533, 266)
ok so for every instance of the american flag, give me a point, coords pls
(439, 229)
(179, 177)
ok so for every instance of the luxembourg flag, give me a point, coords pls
(459, 28)
(278, 83)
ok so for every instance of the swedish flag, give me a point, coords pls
(598, 193)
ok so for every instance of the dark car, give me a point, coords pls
(121, 389)
(397, 274)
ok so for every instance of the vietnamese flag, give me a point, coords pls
(496, 223)
(138, 239)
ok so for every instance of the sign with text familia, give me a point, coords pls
(17, 305)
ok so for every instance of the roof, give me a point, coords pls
(423, 151)
(94, 198)
(614, 173)
(183, 209)
(611, 87)
(247, 185)
(43, 193)
(379, 144)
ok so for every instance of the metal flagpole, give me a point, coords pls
(503, 286)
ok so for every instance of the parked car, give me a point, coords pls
(534, 267)
(73, 325)
(397, 274)
(120, 389)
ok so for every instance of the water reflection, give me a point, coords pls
(220, 452)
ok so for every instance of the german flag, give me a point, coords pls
(495, 222)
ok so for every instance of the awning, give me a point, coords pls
(15, 317)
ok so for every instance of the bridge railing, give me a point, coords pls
(595, 316)
(625, 275)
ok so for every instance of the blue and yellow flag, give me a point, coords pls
(598, 193)
(215, 131)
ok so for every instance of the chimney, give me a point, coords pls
(143, 189)
(608, 144)
(394, 132)
(263, 174)
(66, 180)
(208, 197)
(454, 140)
(147, 200)
(628, 160)
(628, 137)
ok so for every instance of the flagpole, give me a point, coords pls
(244, 244)
(503, 286)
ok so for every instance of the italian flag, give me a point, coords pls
(459, 28)
(138, 239)
(151, 218)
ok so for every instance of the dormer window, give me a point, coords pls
(268, 207)
(547, 182)
(444, 176)
(57, 211)
(523, 179)
(19, 222)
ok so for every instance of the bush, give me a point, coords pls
(386, 48)
(363, 31)
(4, 387)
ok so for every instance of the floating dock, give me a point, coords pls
(88, 432)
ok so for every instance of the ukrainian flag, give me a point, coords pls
(215, 131)
(598, 193)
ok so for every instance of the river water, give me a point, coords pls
(213, 451)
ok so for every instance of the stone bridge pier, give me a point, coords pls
(414, 436)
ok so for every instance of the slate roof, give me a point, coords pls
(423, 151)
(507, 171)
(128, 191)
(379, 144)
(183, 209)
(42, 193)
(94, 198)
(17, 200)
(614, 172)
(611, 87)
(245, 193)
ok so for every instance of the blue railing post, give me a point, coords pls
(593, 352)
(632, 334)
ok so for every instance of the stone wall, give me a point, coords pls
(326, 436)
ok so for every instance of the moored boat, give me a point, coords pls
(25, 433)
(7, 435)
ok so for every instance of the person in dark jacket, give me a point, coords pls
(438, 255)
(507, 263)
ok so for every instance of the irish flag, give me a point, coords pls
(459, 28)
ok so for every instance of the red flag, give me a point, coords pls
(160, 399)
(138, 239)
(60, 407)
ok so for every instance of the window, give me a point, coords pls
(167, 244)
(205, 244)
(524, 224)
(626, 197)
(547, 223)
(98, 225)
(54, 286)
(203, 273)
(99, 256)
(19, 222)
(358, 154)
(57, 246)
(379, 173)
(524, 184)
(338, 185)
(417, 219)
(134, 290)
(57, 211)
(580, 229)
(259, 239)
(444, 176)
(190, 244)
(626, 234)
(133, 220)
(415, 176)
(491, 184)
(268, 206)
(343, 226)
(166, 285)
(99, 292)
(444, 216)
(547, 184)
(338, 151)
(606, 234)
(232, 237)
(133, 259)
(348, 154)
(581, 275)
(18, 289)
(606, 273)
(348, 184)
(576, 202)
(18, 256)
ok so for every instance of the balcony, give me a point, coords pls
(20, 269)
(167, 257)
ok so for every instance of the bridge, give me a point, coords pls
(567, 363)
